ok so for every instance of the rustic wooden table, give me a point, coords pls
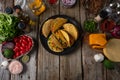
(78, 65)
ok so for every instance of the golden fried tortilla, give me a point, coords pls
(47, 27)
(69, 39)
(61, 39)
(71, 29)
(58, 22)
(54, 44)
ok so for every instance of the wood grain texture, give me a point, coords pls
(70, 65)
(113, 74)
(48, 64)
(29, 72)
(79, 65)
(4, 74)
(91, 69)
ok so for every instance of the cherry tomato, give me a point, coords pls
(22, 44)
(21, 52)
(30, 43)
(29, 46)
(17, 54)
(17, 44)
(16, 48)
(29, 39)
(26, 43)
(21, 48)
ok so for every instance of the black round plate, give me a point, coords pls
(69, 49)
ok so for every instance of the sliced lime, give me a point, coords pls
(25, 58)
(108, 64)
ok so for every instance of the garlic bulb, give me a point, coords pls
(99, 57)
(97, 18)
(4, 64)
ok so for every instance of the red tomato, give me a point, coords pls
(16, 48)
(23, 40)
(21, 48)
(20, 41)
(21, 52)
(30, 43)
(29, 39)
(23, 45)
(17, 54)
(17, 44)
(29, 46)
(26, 43)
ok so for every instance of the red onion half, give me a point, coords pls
(116, 31)
(8, 45)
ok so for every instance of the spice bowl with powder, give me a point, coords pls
(15, 67)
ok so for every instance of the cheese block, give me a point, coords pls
(112, 50)
(97, 41)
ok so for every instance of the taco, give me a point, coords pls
(47, 27)
(69, 38)
(60, 37)
(71, 29)
(58, 22)
(54, 44)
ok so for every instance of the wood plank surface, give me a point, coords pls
(29, 72)
(79, 65)
(91, 69)
(4, 74)
(48, 64)
(73, 60)
(114, 74)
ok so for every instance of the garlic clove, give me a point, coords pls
(4, 64)
(99, 57)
